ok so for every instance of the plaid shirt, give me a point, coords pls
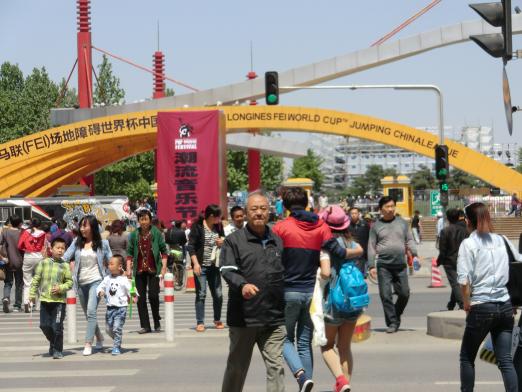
(50, 272)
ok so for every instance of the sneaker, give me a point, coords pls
(115, 351)
(305, 384)
(17, 309)
(219, 324)
(157, 327)
(392, 328)
(87, 350)
(5, 302)
(57, 355)
(51, 350)
(341, 384)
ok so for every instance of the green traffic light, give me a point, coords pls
(443, 172)
(271, 98)
(444, 187)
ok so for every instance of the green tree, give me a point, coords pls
(237, 171)
(131, 177)
(459, 179)
(24, 103)
(237, 176)
(107, 89)
(68, 98)
(370, 182)
(309, 166)
(423, 179)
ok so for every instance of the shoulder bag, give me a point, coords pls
(514, 284)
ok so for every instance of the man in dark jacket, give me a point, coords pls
(251, 265)
(449, 244)
(13, 273)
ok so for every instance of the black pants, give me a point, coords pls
(145, 280)
(52, 315)
(17, 277)
(456, 294)
(398, 279)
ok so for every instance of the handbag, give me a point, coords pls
(514, 284)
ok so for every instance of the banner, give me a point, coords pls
(191, 161)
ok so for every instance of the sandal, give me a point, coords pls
(200, 328)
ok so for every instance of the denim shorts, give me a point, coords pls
(339, 318)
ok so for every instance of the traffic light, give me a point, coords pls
(497, 14)
(441, 162)
(444, 194)
(271, 88)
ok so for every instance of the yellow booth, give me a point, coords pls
(400, 189)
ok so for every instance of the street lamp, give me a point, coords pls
(429, 87)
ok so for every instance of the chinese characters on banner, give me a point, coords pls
(191, 163)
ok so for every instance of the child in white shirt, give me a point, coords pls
(116, 289)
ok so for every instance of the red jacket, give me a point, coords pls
(303, 235)
(31, 242)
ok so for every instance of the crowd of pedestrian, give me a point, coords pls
(273, 261)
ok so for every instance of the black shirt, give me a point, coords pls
(247, 258)
(415, 222)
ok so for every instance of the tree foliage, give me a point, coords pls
(107, 89)
(131, 177)
(237, 171)
(309, 166)
(370, 182)
(25, 103)
(423, 179)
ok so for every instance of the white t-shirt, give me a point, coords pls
(116, 290)
(89, 271)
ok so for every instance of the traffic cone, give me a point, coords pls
(191, 284)
(436, 277)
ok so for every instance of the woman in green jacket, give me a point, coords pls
(146, 262)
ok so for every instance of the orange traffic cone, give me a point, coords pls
(436, 277)
(191, 284)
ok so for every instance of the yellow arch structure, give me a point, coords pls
(36, 165)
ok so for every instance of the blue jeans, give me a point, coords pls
(212, 276)
(496, 318)
(298, 322)
(89, 301)
(114, 321)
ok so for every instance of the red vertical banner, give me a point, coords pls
(191, 171)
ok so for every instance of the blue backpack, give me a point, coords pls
(348, 291)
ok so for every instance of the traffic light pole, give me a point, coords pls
(428, 87)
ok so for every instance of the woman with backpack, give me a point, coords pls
(340, 325)
(33, 245)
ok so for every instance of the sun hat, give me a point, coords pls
(335, 217)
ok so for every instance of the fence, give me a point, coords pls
(498, 205)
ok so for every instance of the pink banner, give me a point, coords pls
(191, 163)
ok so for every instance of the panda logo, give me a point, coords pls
(185, 130)
(113, 288)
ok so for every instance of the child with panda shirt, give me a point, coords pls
(116, 289)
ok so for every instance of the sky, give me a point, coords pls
(207, 44)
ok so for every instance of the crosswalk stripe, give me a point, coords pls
(76, 373)
(160, 344)
(81, 358)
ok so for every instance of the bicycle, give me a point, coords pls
(177, 266)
